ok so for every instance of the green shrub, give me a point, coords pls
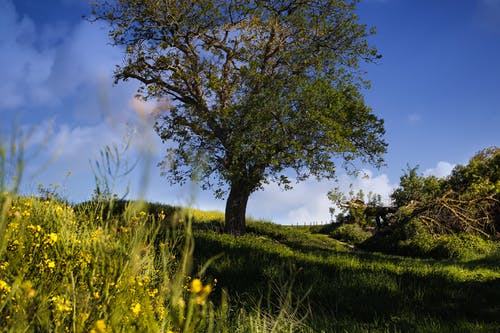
(416, 240)
(463, 246)
(351, 233)
(407, 238)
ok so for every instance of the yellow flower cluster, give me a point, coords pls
(100, 327)
(4, 266)
(206, 216)
(61, 304)
(136, 309)
(51, 239)
(27, 287)
(4, 287)
(200, 291)
(21, 210)
(35, 229)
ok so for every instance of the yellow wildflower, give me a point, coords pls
(59, 210)
(196, 286)
(4, 287)
(51, 238)
(124, 229)
(202, 294)
(50, 264)
(153, 292)
(27, 287)
(136, 309)
(14, 245)
(206, 290)
(13, 226)
(95, 234)
(61, 304)
(35, 228)
(100, 325)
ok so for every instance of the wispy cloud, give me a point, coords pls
(55, 65)
(308, 201)
(441, 170)
(24, 66)
(72, 149)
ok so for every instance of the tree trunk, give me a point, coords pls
(236, 207)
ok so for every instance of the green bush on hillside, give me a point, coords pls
(414, 239)
(463, 246)
(454, 217)
(408, 239)
(351, 233)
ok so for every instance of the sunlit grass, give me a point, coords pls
(362, 291)
(79, 270)
(112, 265)
(73, 269)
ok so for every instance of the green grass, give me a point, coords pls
(356, 290)
(130, 268)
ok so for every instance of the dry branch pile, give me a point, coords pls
(451, 214)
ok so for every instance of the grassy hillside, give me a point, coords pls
(142, 267)
(343, 289)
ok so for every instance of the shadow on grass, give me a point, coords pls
(345, 290)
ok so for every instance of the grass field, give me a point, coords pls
(154, 268)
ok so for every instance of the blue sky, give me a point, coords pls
(437, 87)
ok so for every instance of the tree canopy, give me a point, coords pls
(255, 89)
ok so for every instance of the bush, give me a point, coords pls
(409, 238)
(351, 233)
(463, 246)
(416, 240)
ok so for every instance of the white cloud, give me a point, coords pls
(84, 58)
(24, 67)
(58, 65)
(74, 148)
(441, 170)
(308, 203)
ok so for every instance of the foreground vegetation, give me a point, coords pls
(135, 268)
(110, 265)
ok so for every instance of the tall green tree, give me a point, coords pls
(256, 88)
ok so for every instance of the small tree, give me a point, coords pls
(256, 88)
(415, 187)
